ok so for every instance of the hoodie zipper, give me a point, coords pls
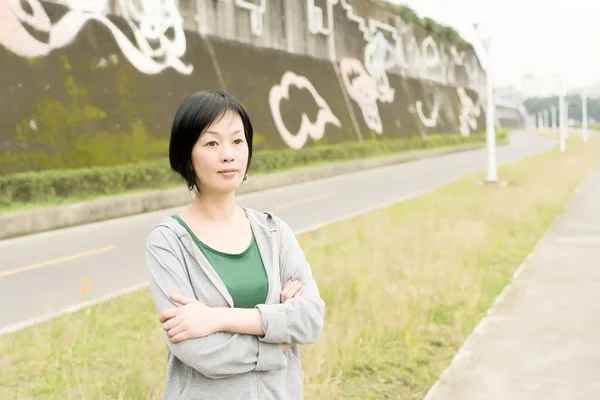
(257, 388)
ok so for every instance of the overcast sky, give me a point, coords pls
(544, 37)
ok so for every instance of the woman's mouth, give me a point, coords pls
(229, 172)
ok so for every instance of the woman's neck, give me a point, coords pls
(215, 208)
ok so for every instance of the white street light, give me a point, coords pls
(584, 117)
(492, 168)
(567, 131)
(562, 119)
(554, 123)
(563, 123)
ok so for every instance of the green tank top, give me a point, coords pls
(244, 274)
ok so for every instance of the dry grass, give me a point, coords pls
(404, 286)
(550, 133)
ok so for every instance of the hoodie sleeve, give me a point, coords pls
(216, 356)
(299, 320)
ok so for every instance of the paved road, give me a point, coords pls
(540, 341)
(44, 274)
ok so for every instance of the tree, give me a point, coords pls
(535, 105)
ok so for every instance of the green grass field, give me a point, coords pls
(404, 286)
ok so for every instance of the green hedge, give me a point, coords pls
(54, 185)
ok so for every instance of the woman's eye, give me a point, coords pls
(212, 144)
(238, 141)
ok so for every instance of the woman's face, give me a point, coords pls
(220, 155)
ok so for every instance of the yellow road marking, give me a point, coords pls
(304, 201)
(57, 261)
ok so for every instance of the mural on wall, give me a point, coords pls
(386, 49)
(295, 101)
(410, 50)
(427, 101)
(362, 88)
(366, 81)
(316, 17)
(316, 129)
(470, 112)
(377, 62)
(152, 52)
(84, 81)
(389, 50)
(256, 14)
(431, 120)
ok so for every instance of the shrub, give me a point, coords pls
(34, 187)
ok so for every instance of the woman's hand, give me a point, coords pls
(286, 346)
(192, 320)
(291, 289)
(195, 320)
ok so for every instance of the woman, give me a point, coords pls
(232, 286)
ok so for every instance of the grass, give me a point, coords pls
(404, 285)
(594, 126)
(549, 133)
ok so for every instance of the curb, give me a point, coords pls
(27, 222)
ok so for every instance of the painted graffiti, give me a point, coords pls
(390, 47)
(256, 14)
(368, 83)
(469, 112)
(373, 31)
(149, 21)
(425, 60)
(430, 121)
(152, 50)
(307, 129)
(316, 20)
(363, 89)
(150, 35)
(377, 61)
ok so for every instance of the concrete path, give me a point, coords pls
(43, 275)
(541, 339)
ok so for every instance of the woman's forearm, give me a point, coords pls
(241, 320)
(244, 321)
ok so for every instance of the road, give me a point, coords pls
(47, 274)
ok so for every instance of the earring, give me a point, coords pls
(191, 182)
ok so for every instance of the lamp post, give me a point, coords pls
(562, 108)
(563, 123)
(584, 118)
(492, 168)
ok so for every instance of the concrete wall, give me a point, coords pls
(96, 82)
(329, 29)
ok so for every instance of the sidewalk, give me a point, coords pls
(541, 339)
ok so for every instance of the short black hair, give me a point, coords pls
(197, 112)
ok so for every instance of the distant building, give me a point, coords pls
(510, 107)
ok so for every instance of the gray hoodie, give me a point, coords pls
(235, 366)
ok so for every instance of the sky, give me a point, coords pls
(556, 40)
